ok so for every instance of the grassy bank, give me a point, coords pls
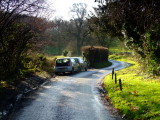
(140, 97)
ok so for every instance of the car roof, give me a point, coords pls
(64, 58)
(77, 57)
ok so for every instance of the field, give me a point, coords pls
(140, 96)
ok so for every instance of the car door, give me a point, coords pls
(83, 64)
(75, 64)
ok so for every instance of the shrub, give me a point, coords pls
(95, 54)
(64, 53)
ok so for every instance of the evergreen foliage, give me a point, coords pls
(95, 54)
(137, 23)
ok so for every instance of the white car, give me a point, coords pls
(82, 64)
(67, 64)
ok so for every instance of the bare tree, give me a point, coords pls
(16, 33)
(79, 12)
(59, 34)
(98, 31)
(10, 9)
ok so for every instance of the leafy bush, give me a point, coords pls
(39, 63)
(64, 53)
(95, 54)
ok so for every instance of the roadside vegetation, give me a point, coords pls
(133, 23)
(96, 56)
(140, 96)
(30, 43)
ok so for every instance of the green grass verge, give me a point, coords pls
(140, 97)
(118, 50)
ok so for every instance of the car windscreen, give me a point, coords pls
(63, 62)
(80, 60)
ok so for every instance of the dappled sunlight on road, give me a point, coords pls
(69, 97)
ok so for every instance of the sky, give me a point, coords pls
(62, 7)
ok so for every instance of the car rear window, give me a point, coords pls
(62, 62)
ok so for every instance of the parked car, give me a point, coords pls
(63, 65)
(82, 64)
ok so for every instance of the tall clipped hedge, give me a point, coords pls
(95, 54)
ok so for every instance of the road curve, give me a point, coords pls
(73, 97)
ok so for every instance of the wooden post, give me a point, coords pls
(120, 84)
(115, 78)
(112, 72)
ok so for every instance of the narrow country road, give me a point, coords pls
(73, 97)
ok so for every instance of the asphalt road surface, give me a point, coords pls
(69, 97)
